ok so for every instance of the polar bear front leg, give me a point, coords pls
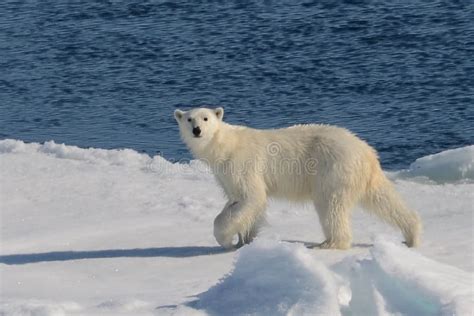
(223, 223)
(239, 218)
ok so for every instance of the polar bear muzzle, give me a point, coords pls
(197, 131)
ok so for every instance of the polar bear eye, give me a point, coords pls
(189, 120)
(205, 119)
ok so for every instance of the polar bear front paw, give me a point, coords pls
(222, 233)
(224, 240)
(229, 240)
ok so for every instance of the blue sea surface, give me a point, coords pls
(109, 74)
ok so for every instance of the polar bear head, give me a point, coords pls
(198, 126)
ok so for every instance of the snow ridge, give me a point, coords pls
(402, 281)
(273, 278)
(278, 278)
(455, 165)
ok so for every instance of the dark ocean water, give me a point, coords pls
(110, 73)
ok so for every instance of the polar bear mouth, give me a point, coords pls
(199, 136)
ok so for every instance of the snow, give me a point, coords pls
(404, 281)
(116, 232)
(455, 165)
(271, 278)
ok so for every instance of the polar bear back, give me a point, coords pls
(293, 161)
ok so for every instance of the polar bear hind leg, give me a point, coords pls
(383, 201)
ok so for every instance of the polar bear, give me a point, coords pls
(323, 164)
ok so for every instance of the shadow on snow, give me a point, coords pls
(170, 252)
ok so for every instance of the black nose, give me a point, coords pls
(196, 131)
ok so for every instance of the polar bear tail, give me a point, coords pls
(382, 200)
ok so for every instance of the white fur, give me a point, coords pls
(324, 164)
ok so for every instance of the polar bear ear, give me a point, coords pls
(178, 114)
(219, 113)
